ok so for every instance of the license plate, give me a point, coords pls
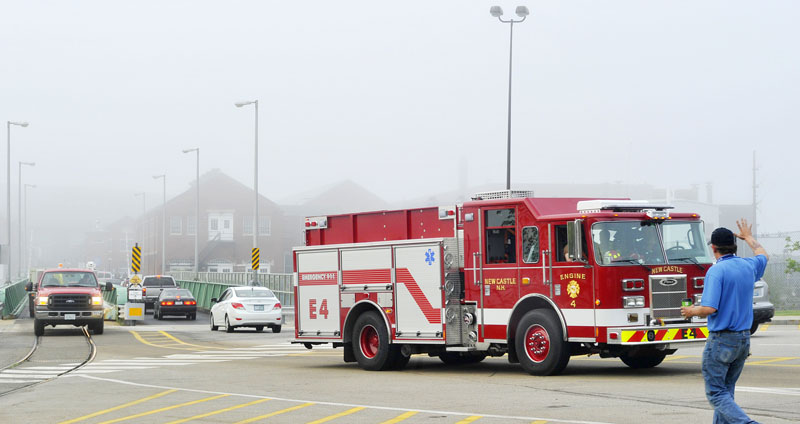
(179, 303)
(69, 316)
(258, 307)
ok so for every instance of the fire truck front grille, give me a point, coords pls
(69, 302)
(666, 293)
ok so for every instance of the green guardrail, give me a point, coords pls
(12, 297)
(112, 299)
(203, 291)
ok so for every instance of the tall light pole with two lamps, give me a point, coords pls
(163, 224)
(523, 13)
(196, 210)
(8, 193)
(255, 177)
(19, 212)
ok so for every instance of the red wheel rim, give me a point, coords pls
(537, 343)
(369, 341)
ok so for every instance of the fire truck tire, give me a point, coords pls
(540, 348)
(371, 345)
(38, 327)
(97, 328)
(643, 359)
(461, 358)
(211, 319)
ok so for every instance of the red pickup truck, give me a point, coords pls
(67, 297)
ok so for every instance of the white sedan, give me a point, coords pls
(246, 307)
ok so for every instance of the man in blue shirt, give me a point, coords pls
(728, 303)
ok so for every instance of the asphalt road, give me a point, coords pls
(176, 370)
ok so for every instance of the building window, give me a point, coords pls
(175, 225)
(264, 226)
(247, 226)
(190, 226)
(213, 224)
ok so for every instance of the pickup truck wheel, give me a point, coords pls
(276, 328)
(228, 326)
(371, 345)
(753, 328)
(540, 348)
(647, 358)
(97, 328)
(31, 308)
(38, 327)
(213, 327)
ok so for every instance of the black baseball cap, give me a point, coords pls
(722, 237)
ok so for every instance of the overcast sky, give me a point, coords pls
(395, 95)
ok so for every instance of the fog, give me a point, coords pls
(397, 97)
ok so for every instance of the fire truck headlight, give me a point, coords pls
(632, 301)
(698, 298)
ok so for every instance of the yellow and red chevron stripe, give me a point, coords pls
(664, 335)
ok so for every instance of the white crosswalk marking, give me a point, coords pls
(35, 374)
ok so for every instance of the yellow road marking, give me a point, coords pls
(219, 411)
(402, 417)
(182, 342)
(124, 405)
(339, 415)
(674, 357)
(777, 359)
(539, 422)
(272, 414)
(166, 408)
(469, 419)
(166, 341)
(764, 327)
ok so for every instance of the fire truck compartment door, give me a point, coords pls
(418, 273)
(318, 294)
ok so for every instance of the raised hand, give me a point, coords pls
(745, 229)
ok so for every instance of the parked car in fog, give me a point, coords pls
(255, 307)
(763, 309)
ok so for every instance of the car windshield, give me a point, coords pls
(180, 292)
(158, 282)
(684, 242)
(69, 279)
(253, 293)
(627, 242)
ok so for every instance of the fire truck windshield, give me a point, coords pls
(627, 242)
(640, 242)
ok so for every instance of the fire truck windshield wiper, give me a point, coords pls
(632, 261)
(692, 260)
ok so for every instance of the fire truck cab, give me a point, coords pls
(538, 279)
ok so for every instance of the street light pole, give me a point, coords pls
(8, 193)
(255, 176)
(523, 13)
(27, 247)
(19, 213)
(196, 211)
(163, 224)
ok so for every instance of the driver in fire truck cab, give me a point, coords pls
(625, 242)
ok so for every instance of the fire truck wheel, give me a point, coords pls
(539, 345)
(461, 358)
(371, 344)
(643, 359)
(400, 361)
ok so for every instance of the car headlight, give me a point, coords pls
(97, 300)
(42, 300)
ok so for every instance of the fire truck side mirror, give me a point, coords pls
(574, 240)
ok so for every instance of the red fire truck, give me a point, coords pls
(538, 279)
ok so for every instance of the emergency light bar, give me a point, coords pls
(595, 206)
(502, 194)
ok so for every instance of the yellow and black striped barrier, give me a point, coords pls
(136, 258)
(256, 259)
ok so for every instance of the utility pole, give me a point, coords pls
(755, 200)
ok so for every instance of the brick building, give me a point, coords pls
(225, 233)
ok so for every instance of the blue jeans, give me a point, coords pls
(723, 361)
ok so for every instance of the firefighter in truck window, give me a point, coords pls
(501, 238)
(628, 242)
